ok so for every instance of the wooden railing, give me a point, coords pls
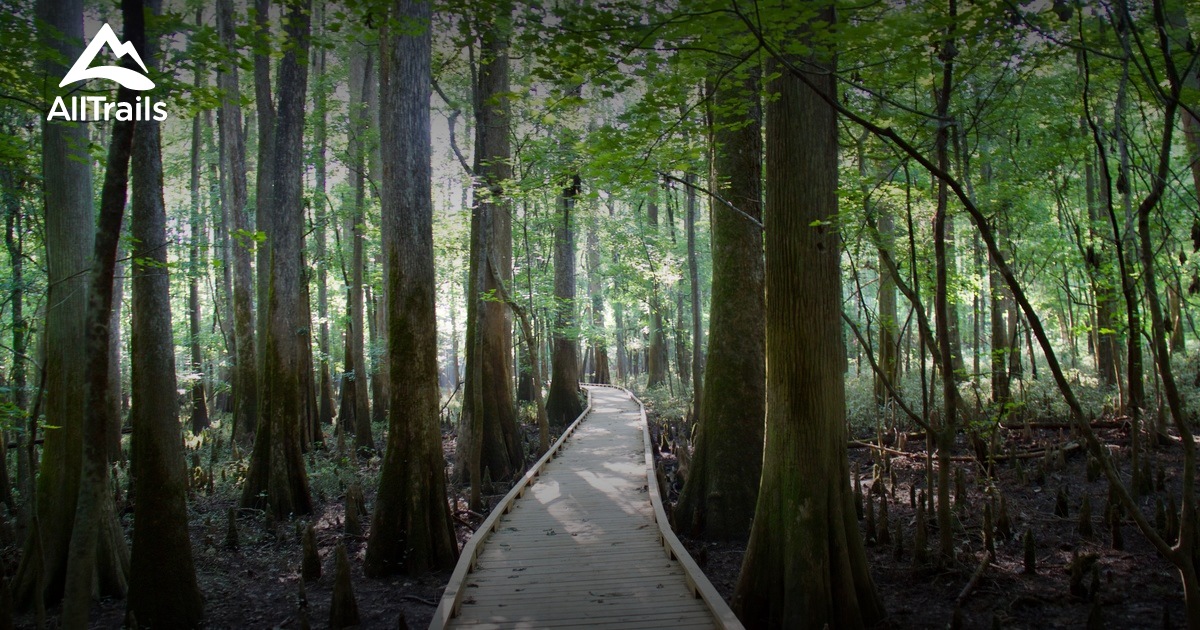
(452, 597)
(696, 580)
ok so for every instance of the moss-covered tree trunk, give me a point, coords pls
(1096, 260)
(411, 528)
(722, 486)
(277, 480)
(805, 564)
(162, 582)
(499, 446)
(563, 404)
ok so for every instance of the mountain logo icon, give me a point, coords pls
(131, 79)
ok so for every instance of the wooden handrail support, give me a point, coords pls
(451, 600)
(696, 580)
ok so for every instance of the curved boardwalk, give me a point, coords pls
(582, 547)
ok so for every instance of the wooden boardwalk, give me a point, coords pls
(578, 541)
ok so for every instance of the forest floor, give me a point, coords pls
(257, 585)
(1136, 587)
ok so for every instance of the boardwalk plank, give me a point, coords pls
(581, 546)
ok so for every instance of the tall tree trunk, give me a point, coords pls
(596, 339)
(362, 78)
(1001, 315)
(721, 490)
(221, 227)
(411, 528)
(563, 404)
(947, 318)
(115, 452)
(233, 165)
(70, 241)
(321, 219)
(98, 560)
(14, 243)
(264, 184)
(805, 564)
(375, 327)
(1099, 276)
(199, 412)
(162, 583)
(277, 481)
(656, 358)
(885, 229)
(1127, 253)
(488, 402)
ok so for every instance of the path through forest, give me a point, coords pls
(582, 545)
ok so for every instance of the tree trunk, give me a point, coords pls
(264, 102)
(947, 318)
(563, 404)
(411, 529)
(1001, 315)
(15, 244)
(656, 358)
(277, 480)
(233, 165)
(115, 453)
(600, 371)
(697, 333)
(362, 77)
(321, 219)
(162, 584)
(199, 411)
(70, 240)
(805, 564)
(489, 379)
(885, 228)
(1100, 278)
(721, 490)
(98, 559)
(376, 324)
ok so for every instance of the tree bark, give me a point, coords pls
(321, 219)
(721, 490)
(233, 164)
(98, 559)
(162, 584)
(656, 359)
(563, 404)
(70, 242)
(277, 480)
(600, 371)
(14, 243)
(363, 76)
(489, 389)
(411, 529)
(805, 564)
(264, 102)
(199, 411)
(947, 328)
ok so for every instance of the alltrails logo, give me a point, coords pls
(84, 108)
